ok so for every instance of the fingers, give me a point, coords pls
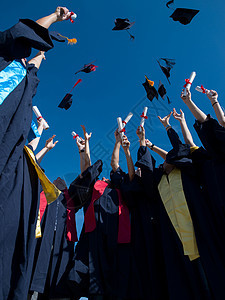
(56, 142)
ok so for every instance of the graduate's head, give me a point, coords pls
(60, 184)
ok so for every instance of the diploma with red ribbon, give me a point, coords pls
(188, 82)
(75, 136)
(121, 128)
(72, 16)
(129, 116)
(201, 89)
(39, 117)
(143, 117)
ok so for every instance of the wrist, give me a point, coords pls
(142, 143)
(127, 152)
(54, 17)
(81, 151)
(47, 149)
(168, 126)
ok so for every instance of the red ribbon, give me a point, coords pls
(89, 218)
(43, 204)
(71, 20)
(124, 227)
(124, 122)
(39, 118)
(123, 130)
(187, 82)
(71, 232)
(75, 136)
(203, 89)
(143, 116)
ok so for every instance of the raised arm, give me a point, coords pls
(146, 142)
(48, 146)
(213, 97)
(60, 14)
(34, 143)
(87, 148)
(197, 113)
(81, 148)
(116, 152)
(37, 59)
(130, 164)
(185, 130)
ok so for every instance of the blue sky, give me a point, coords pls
(116, 86)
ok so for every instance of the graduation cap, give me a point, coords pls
(123, 24)
(67, 100)
(150, 89)
(56, 36)
(184, 15)
(169, 63)
(162, 92)
(88, 68)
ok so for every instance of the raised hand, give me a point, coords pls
(186, 98)
(80, 144)
(165, 120)
(126, 143)
(178, 117)
(212, 95)
(117, 136)
(50, 144)
(86, 135)
(62, 13)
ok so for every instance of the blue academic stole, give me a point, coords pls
(10, 78)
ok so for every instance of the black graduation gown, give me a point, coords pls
(211, 165)
(18, 181)
(182, 279)
(148, 281)
(101, 266)
(54, 252)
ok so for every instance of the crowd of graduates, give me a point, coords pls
(153, 233)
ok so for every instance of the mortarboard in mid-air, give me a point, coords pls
(184, 15)
(150, 89)
(123, 24)
(67, 100)
(88, 68)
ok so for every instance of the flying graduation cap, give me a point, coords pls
(168, 65)
(184, 15)
(88, 68)
(162, 92)
(150, 89)
(56, 36)
(67, 100)
(123, 24)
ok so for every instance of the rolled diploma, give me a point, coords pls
(77, 136)
(38, 115)
(129, 116)
(73, 15)
(191, 79)
(120, 127)
(198, 88)
(143, 119)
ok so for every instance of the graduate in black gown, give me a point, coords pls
(55, 248)
(147, 278)
(19, 194)
(177, 193)
(102, 254)
(210, 160)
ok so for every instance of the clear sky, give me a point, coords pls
(116, 88)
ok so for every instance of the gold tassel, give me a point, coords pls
(70, 41)
(149, 81)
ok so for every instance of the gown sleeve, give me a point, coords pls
(17, 42)
(212, 136)
(81, 188)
